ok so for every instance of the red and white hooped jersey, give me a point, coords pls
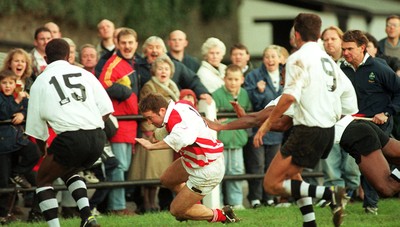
(190, 136)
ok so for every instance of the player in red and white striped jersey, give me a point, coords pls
(201, 166)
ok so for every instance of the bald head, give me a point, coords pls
(106, 29)
(54, 29)
(177, 41)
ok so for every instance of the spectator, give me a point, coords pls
(332, 42)
(212, 71)
(263, 85)
(72, 52)
(89, 57)
(394, 63)
(233, 148)
(188, 95)
(120, 80)
(41, 38)
(284, 54)
(54, 29)
(373, 50)
(151, 164)
(338, 168)
(105, 29)
(378, 93)
(240, 56)
(390, 45)
(177, 43)
(184, 77)
(19, 61)
(18, 155)
(103, 58)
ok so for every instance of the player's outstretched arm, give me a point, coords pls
(152, 146)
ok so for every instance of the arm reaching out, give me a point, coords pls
(152, 146)
(274, 117)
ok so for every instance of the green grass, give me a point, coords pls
(266, 216)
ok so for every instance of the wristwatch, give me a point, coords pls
(387, 114)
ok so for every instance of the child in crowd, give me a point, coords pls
(234, 140)
(18, 155)
(151, 164)
(189, 95)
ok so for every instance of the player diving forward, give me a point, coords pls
(363, 140)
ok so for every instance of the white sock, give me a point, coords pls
(395, 174)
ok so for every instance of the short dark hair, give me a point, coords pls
(356, 36)
(233, 68)
(7, 73)
(152, 102)
(308, 25)
(393, 16)
(57, 49)
(371, 39)
(127, 31)
(39, 30)
(239, 46)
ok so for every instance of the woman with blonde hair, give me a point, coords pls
(19, 61)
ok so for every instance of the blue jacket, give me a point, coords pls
(377, 87)
(12, 137)
(260, 100)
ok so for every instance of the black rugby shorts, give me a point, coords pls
(307, 145)
(78, 148)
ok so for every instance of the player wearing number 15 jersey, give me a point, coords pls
(73, 102)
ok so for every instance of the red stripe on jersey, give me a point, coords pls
(174, 118)
(202, 142)
(196, 161)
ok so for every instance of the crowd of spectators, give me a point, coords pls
(128, 76)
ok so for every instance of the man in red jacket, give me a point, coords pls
(119, 79)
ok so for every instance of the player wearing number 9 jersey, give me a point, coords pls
(319, 93)
(73, 102)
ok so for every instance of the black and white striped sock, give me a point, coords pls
(78, 190)
(299, 189)
(306, 209)
(48, 205)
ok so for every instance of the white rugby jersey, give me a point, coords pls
(68, 98)
(322, 91)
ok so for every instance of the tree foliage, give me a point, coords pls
(147, 17)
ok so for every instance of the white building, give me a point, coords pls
(265, 22)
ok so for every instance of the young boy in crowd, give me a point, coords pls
(18, 155)
(233, 140)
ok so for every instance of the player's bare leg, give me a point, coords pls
(392, 151)
(175, 176)
(279, 170)
(185, 206)
(380, 178)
